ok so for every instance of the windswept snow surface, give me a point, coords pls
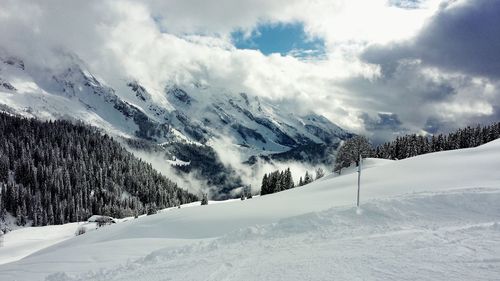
(431, 217)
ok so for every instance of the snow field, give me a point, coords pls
(403, 238)
(431, 217)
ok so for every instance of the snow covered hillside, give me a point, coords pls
(431, 217)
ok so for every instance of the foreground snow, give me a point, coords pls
(22, 242)
(433, 217)
(410, 238)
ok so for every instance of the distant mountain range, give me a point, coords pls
(180, 116)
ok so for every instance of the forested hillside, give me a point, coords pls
(413, 145)
(57, 172)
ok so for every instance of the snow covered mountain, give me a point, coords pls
(186, 120)
(70, 91)
(194, 112)
(430, 217)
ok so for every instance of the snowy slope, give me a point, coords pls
(431, 217)
(22, 242)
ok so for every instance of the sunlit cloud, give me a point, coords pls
(344, 59)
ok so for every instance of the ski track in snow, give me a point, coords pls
(405, 238)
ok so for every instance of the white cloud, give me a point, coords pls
(158, 41)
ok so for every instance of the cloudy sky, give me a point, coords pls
(378, 67)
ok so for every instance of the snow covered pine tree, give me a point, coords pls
(353, 151)
(350, 152)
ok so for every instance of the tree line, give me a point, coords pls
(282, 180)
(412, 145)
(56, 172)
(277, 181)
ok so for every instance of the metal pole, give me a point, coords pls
(359, 179)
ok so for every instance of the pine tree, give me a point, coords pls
(4, 168)
(276, 181)
(289, 179)
(351, 151)
(247, 191)
(265, 185)
(320, 173)
(204, 199)
(307, 178)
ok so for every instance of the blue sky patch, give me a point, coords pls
(280, 38)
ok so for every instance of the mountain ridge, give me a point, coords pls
(190, 113)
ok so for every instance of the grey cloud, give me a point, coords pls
(435, 125)
(383, 126)
(35, 30)
(466, 38)
(419, 101)
(215, 16)
(475, 120)
(405, 4)
(387, 56)
(461, 37)
(384, 121)
(406, 88)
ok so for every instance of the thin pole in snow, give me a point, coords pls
(359, 179)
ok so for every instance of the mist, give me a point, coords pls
(231, 156)
(159, 161)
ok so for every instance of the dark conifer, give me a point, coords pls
(57, 172)
(413, 145)
(276, 181)
(204, 199)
